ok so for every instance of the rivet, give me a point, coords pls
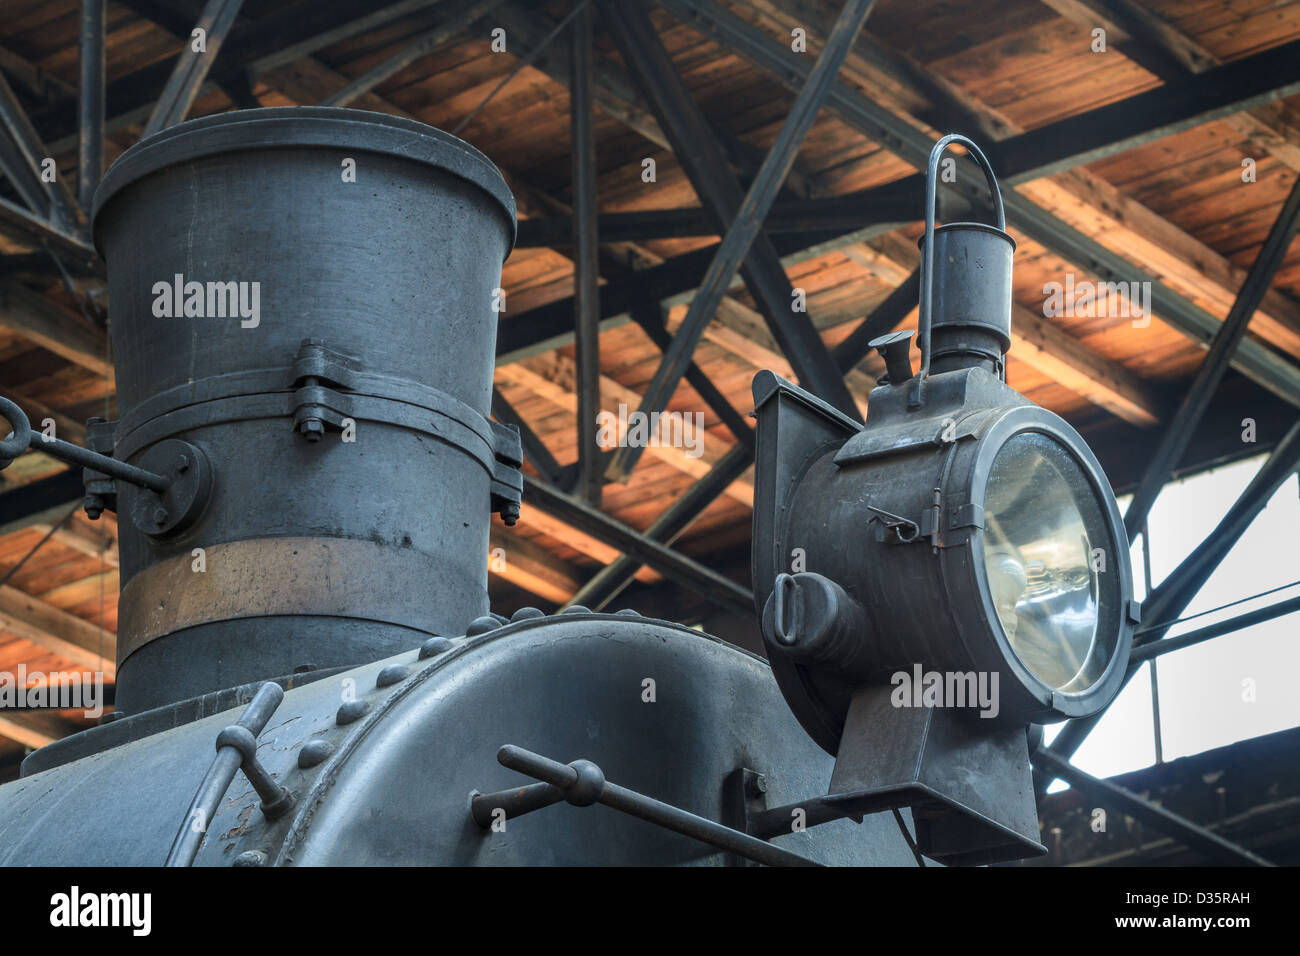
(351, 710)
(481, 625)
(250, 858)
(313, 752)
(627, 612)
(159, 515)
(576, 609)
(392, 674)
(527, 614)
(434, 646)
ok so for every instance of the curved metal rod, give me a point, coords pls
(927, 260)
(582, 784)
(230, 757)
(22, 439)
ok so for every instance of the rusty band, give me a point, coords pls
(264, 577)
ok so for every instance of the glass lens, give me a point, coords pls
(1044, 544)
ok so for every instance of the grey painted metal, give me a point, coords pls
(609, 581)
(23, 439)
(744, 227)
(350, 326)
(817, 473)
(586, 255)
(193, 65)
(1215, 847)
(394, 788)
(706, 581)
(1152, 649)
(582, 783)
(194, 825)
(90, 100)
(973, 296)
(1178, 434)
(535, 449)
(1275, 73)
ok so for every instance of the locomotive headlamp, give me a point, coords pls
(936, 579)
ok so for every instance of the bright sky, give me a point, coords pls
(1203, 695)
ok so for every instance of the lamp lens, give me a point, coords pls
(1045, 543)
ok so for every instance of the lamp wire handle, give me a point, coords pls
(927, 264)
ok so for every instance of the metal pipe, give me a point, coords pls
(512, 803)
(76, 455)
(23, 438)
(586, 784)
(927, 258)
(90, 101)
(586, 258)
(1166, 645)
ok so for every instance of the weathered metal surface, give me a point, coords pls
(394, 787)
(336, 254)
(264, 577)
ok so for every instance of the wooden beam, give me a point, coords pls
(553, 527)
(94, 542)
(552, 377)
(1040, 343)
(530, 566)
(1078, 197)
(29, 733)
(614, 91)
(69, 429)
(53, 327)
(191, 69)
(1160, 48)
(1045, 346)
(65, 634)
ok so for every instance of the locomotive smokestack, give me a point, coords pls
(303, 326)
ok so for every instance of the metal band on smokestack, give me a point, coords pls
(306, 297)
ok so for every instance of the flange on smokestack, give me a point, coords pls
(933, 581)
(304, 335)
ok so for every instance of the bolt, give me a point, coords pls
(94, 505)
(313, 429)
(435, 646)
(756, 785)
(392, 674)
(159, 515)
(182, 463)
(313, 752)
(350, 711)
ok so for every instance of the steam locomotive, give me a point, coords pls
(305, 471)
